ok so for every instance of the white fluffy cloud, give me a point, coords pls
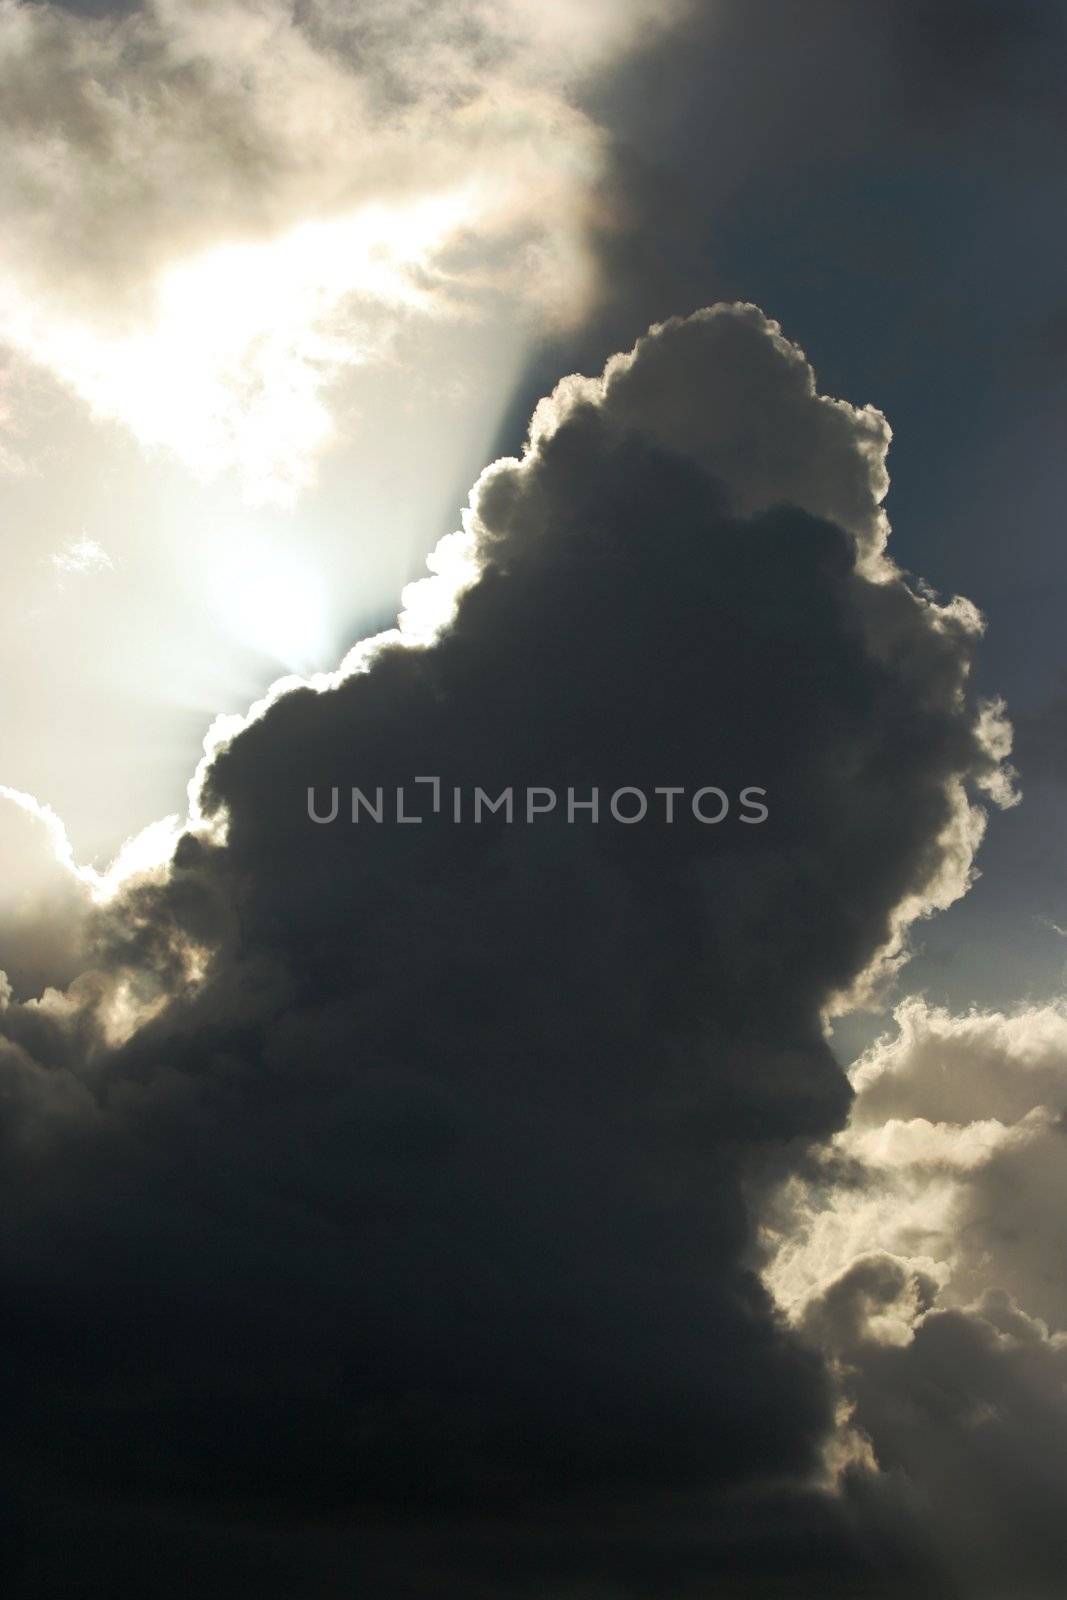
(213, 210)
(952, 1161)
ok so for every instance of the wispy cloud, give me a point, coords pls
(81, 557)
(252, 202)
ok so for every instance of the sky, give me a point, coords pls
(623, 437)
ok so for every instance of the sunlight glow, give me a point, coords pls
(273, 600)
(245, 339)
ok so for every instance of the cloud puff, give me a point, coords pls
(771, 437)
(251, 197)
(417, 1179)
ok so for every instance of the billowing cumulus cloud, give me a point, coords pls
(956, 1139)
(409, 1176)
(212, 211)
(928, 1262)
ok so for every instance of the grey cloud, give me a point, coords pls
(770, 437)
(969, 1412)
(932, 1255)
(418, 1180)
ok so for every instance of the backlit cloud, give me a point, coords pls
(927, 1261)
(80, 557)
(428, 1159)
(212, 211)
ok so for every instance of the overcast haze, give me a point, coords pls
(660, 401)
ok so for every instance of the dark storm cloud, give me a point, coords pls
(427, 1206)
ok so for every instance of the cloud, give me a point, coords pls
(47, 897)
(43, 902)
(965, 1407)
(771, 438)
(409, 1175)
(927, 1261)
(251, 198)
(82, 556)
(956, 1137)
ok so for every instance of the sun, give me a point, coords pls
(271, 598)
